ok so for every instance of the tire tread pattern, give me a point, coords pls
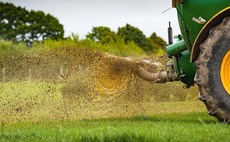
(202, 75)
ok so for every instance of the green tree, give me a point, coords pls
(157, 42)
(10, 23)
(102, 34)
(18, 24)
(130, 33)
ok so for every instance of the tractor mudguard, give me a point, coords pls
(203, 34)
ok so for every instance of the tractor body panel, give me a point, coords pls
(196, 18)
(204, 32)
(193, 16)
(190, 10)
(184, 69)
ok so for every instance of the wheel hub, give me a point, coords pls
(225, 72)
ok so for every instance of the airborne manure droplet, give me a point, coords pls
(71, 83)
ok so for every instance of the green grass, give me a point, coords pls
(37, 111)
(164, 127)
(48, 111)
(119, 48)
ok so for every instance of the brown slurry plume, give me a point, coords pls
(106, 83)
(75, 83)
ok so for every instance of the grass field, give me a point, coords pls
(163, 127)
(37, 111)
(99, 98)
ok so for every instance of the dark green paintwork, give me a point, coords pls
(196, 8)
(176, 48)
(190, 29)
(185, 70)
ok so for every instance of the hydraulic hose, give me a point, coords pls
(159, 77)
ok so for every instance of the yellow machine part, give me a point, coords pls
(225, 72)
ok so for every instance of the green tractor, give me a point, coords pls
(201, 55)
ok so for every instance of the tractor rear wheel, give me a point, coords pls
(213, 71)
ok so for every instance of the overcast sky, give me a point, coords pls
(79, 16)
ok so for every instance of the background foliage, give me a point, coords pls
(44, 30)
(127, 34)
(19, 24)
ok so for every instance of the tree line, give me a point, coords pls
(20, 25)
(128, 33)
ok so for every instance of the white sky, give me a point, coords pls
(79, 16)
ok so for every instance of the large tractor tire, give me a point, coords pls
(213, 71)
